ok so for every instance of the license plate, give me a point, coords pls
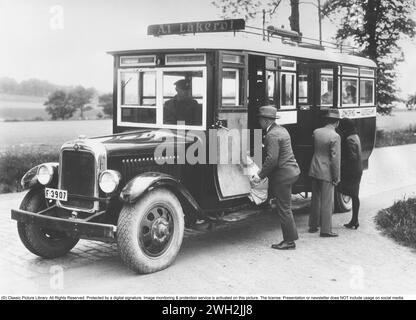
(56, 194)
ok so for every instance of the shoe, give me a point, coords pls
(284, 245)
(352, 225)
(313, 230)
(328, 235)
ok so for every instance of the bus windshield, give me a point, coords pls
(162, 97)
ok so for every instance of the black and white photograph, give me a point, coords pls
(216, 150)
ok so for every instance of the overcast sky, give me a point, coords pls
(65, 41)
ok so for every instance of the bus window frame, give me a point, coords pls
(243, 79)
(295, 81)
(185, 62)
(275, 70)
(308, 94)
(159, 99)
(350, 105)
(328, 71)
(373, 80)
(138, 64)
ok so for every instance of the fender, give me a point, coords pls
(150, 180)
(30, 180)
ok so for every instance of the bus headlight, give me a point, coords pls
(44, 174)
(109, 180)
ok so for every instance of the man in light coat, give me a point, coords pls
(325, 174)
(280, 166)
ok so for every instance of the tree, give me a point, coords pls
(58, 105)
(294, 16)
(105, 101)
(251, 9)
(8, 85)
(79, 97)
(411, 101)
(376, 26)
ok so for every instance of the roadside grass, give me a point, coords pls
(16, 161)
(396, 137)
(399, 221)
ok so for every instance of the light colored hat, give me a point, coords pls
(333, 114)
(269, 112)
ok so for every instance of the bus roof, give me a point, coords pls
(243, 42)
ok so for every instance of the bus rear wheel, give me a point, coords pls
(342, 202)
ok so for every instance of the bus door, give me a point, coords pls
(317, 92)
(231, 180)
(256, 94)
(306, 121)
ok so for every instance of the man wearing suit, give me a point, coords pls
(281, 168)
(325, 174)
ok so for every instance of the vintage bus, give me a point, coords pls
(113, 188)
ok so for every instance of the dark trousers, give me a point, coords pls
(283, 196)
(322, 205)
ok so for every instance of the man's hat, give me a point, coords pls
(182, 84)
(269, 112)
(332, 114)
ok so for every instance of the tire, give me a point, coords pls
(150, 231)
(42, 242)
(342, 203)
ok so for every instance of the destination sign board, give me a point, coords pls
(196, 27)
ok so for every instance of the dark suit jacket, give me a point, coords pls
(351, 162)
(326, 159)
(187, 110)
(279, 162)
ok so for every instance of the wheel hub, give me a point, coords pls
(160, 229)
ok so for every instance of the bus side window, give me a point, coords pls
(303, 88)
(231, 87)
(327, 87)
(287, 90)
(271, 87)
(349, 91)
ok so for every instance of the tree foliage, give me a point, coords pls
(411, 101)
(30, 87)
(376, 26)
(58, 106)
(62, 104)
(105, 101)
(79, 97)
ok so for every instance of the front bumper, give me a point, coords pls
(73, 227)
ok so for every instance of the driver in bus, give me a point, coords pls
(182, 107)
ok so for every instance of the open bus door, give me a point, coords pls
(231, 180)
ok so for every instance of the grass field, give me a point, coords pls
(398, 120)
(26, 133)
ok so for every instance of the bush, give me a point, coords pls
(384, 110)
(396, 137)
(399, 221)
(15, 162)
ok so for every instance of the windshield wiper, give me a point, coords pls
(125, 83)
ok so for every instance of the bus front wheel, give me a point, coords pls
(150, 231)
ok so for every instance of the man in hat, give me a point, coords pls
(281, 168)
(182, 108)
(325, 174)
